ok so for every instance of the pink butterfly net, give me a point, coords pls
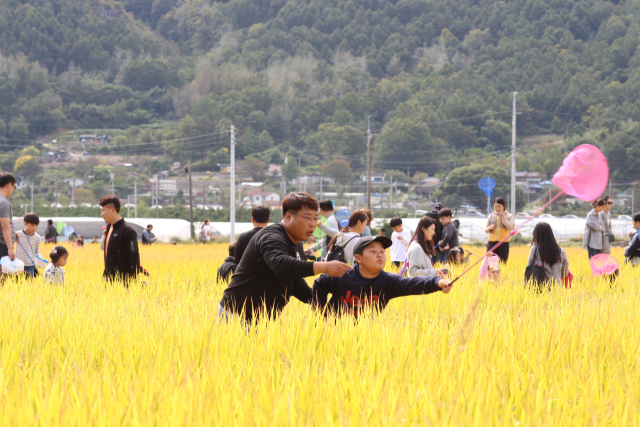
(603, 265)
(584, 173)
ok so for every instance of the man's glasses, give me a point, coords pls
(308, 219)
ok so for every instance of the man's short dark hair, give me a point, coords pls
(295, 201)
(636, 217)
(150, 226)
(6, 178)
(50, 221)
(261, 214)
(395, 221)
(110, 199)
(232, 249)
(445, 212)
(31, 218)
(326, 205)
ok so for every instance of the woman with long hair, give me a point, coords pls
(349, 235)
(593, 230)
(421, 249)
(499, 224)
(546, 251)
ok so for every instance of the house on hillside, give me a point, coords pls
(274, 170)
(93, 139)
(426, 187)
(313, 179)
(379, 178)
(532, 183)
(257, 197)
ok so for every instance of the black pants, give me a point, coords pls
(502, 251)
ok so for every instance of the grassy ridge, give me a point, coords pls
(90, 354)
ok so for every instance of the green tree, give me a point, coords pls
(27, 166)
(338, 169)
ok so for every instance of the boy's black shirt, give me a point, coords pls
(270, 272)
(439, 227)
(352, 292)
(243, 242)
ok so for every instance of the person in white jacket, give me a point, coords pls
(421, 250)
(349, 235)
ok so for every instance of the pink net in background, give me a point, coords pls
(584, 173)
(603, 264)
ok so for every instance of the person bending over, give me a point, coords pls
(367, 284)
(260, 217)
(273, 266)
(229, 265)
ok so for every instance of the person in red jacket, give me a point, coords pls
(121, 256)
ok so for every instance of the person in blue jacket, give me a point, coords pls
(367, 285)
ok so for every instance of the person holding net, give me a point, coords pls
(499, 224)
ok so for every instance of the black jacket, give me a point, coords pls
(270, 272)
(228, 266)
(122, 260)
(352, 292)
(243, 242)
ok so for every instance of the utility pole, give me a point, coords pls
(55, 191)
(632, 204)
(232, 193)
(190, 201)
(321, 179)
(299, 174)
(368, 163)
(135, 196)
(513, 157)
(31, 195)
(204, 200)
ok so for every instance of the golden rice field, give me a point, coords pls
(88, 354)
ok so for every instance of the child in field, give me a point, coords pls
(367, 284)
(229, 265)
(401, 239)
(457, 257)
(54, 273)
(490, 268)
(28, 244)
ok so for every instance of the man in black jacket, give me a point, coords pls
(260, 218)
(121, 256)
(273, 267)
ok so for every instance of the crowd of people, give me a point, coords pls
(267, 265)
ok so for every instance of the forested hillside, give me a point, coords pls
(300, 77)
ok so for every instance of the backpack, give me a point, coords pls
(202, 237)
(337, 254)
(534, 275)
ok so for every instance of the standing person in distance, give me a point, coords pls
(121, 256)
(205, 233)
(449, 233)
(50, 233)
(147, 235)
(594, 230)
(606, 221)
(349, 235)
(546, 251)
(7, 234)
(400, 240)
(421, 250)
(273, 266)
(499, 224)
(439, 257)
(260, 217)
(331, 228)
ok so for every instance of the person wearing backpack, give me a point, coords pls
(341, 245)
(546, 253)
